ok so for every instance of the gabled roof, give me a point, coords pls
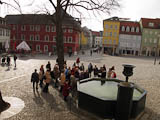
(145, 23)
(130, 24)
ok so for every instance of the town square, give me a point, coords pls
(79, 60)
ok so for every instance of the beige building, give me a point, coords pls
(4, 36)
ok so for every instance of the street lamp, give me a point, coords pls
(156, 49)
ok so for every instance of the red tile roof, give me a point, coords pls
(146, 21)
(130, 24)
(96, 33)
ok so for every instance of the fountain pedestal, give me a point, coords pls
(125, 95)
(124, 101)
(3, 105)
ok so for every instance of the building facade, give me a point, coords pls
(86, 38)
(4, 35)
(111, 35)
(129, 38)
(150, 36)
(39, 32)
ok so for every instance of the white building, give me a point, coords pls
(129, 38)
(4, 35)
(98, 41)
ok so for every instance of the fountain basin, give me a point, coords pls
(100, 97)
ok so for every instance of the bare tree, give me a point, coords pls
(61, 6)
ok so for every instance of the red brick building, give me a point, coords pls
(39, 32)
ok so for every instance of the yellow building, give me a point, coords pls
(111, 35)
(85, 38)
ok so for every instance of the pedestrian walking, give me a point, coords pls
(48, 66)
(41, 75)
(90, 52)
(35, 79)
(47, 80)
(15, 58)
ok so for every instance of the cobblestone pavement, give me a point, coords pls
(41, 106)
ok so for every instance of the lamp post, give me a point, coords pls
(156, 49)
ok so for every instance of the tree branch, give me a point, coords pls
(53, 4)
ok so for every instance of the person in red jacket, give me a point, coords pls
(66, 89)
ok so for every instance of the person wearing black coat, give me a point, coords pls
(48, 66)
(35, 79)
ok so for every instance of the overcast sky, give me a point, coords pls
(133, 9)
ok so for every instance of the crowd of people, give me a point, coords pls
(66, 80)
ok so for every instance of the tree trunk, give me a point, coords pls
(3, 105)
(59, 35)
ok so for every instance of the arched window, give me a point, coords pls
(123, 28)
(132, 29)
(137, 29)
(127, 29)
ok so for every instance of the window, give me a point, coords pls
(110, 41)
(46, 38)
(111, 26)
(106, 26)
(53, 29)
(22, 37)
(70, 30)
(37, 37)
(70, 39)
(115, 27)
(150, 40)
(64, 39)
(151, 24)
(110, 33)
(46, 48)
(14, 37)
(47, 28)
(156, 33)
(31, 27)
(31, 37)
(64, 30)
(54, 38)
(132, 29)
(145, 40)
(38, 48)
(114, 41)
(127, 29)
(106, 33)
(155, 40)
(14, 27)
(115, 34)
(137, 29)
(37, 27)
(23, 28)
(123, 28)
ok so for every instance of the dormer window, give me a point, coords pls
(151, 24)
(127, 29)
(132, 29)
(123, 28)
(137, 29)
